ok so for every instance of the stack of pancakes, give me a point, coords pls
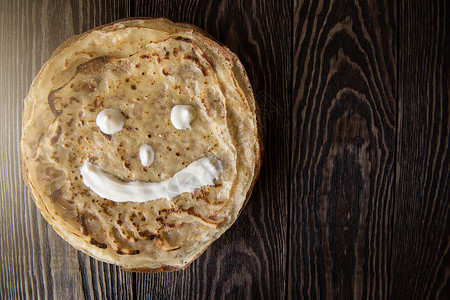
(142, 68)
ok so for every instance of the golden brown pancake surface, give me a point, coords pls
(142, 68)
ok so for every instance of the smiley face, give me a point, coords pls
(144, 139)
(141, 150)
(201, 172)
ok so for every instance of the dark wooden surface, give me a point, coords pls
(353, 197)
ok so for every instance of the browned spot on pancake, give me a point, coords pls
(167, 211)
(127, 165)
(94, 65)
(204, 105)
(130, 252)
(191, 212)
(71, 158)
(56, 195)
(174, 249)
(184, 39)
(175, 51)
(166, 55)
(165, 73)
(98, 102)
(148, 235)
(54, 157)
(158, 59)
(197, 62)
(121, 67)
(56, 136)
(149, 136)
(104, 207)
(133, 87)
(127, 80)
(81, 219)
(138, 66)
(73, 99)
(144, 56)
(108, 136)
(98, 244)
(51, 102)
(177, 154)
(88, 87)
(209, 61)
(93, 159)
(119, 222)
(163, 247)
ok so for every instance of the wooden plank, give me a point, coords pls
(36, 262)
(364, 153)
(343, 149)
(249, 260)
(421, 232)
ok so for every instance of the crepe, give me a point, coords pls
(141, 68)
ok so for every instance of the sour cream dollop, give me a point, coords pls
(182, 116)
(147, 155)
(110, 120)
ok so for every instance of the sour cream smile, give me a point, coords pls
(199, 173)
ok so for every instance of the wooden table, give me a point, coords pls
(353, 196)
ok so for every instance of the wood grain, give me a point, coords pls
(421, 229)
(249, 261)
(36, 262)
(353, 197)
(343, 149)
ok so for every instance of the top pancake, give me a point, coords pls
(141, 67)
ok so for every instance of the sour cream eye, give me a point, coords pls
(182, 116)
(110, 120)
